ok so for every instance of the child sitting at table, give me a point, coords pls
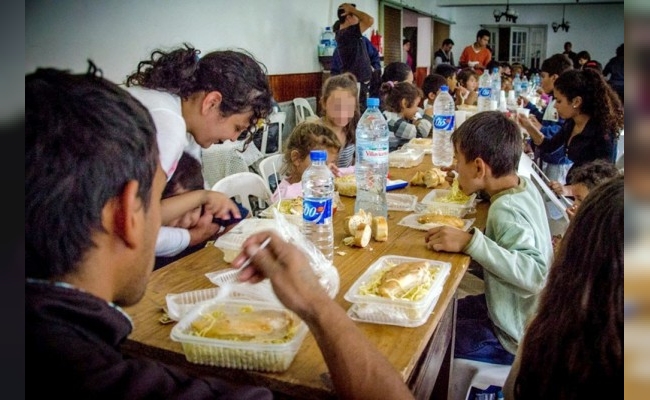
(401, 104)
(468, 79)
(515, 250)
(430, 87)
(304, 138)
(340, 109)
(186, 234)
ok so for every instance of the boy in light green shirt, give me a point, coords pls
(515, 251)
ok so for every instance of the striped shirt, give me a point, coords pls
(346, 156)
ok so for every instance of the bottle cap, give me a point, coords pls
(318, 155)
(372, 102)
(444, 88)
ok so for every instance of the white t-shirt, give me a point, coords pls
(172, 136)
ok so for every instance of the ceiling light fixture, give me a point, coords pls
(564, 25)
(511, 15)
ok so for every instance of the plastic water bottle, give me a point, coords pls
(327, 42)
(496, 88)
(317, 199)
(371, 166)
(516, 85)
(524, 86)
(442, 153)
(484, 91)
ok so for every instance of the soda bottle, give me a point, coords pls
(442, 152)
(371, 165)
(484, 91)
(317, 197)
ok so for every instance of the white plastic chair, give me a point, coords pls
(279, 118)
(242, 185)
(269, 167)
(302, 109)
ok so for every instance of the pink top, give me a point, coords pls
(286, 190)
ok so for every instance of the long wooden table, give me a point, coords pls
(422, 355)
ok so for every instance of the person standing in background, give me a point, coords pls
(408, 56)
(373, 54)
(571, 54)
(477, 55)
(444, 55)
(614, 72)
(352, 50)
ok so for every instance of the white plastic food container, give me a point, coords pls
(376, 309)
(239, 354)
(405, 158)
(433, 203)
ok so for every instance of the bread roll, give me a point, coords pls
(352, 222)
(449, 220)
(346, 185)
(255, 325)
(402, 278)
(380, 229)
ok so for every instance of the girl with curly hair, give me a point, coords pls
(199, 101)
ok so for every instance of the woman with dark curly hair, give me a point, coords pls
(573, 347)
(593, 116)
(206, 100)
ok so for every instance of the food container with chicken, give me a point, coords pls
(397, 290)
(240, 334)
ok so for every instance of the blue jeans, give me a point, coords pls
(475, 337)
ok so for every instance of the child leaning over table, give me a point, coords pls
(304, 138)
(515, 251)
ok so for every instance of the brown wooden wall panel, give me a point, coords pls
(392, 34)
(288, 87)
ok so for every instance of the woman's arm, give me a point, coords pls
(215, 203)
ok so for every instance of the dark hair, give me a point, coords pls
(445, 70)
(393, 94)
(594, 173)
(492, 65)
(599, 101)
(556, 64)
(619, 50)
(404, 41)
(345, 81)
(85, 138)
(575, 341)
(188, 176)
(583, 54)
(396, 71)
(447, 41)
(465, 74)
(432, 84)
(237, 75)
(494, 138)
(481, 33)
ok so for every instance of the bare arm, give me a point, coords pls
(365, 20)
(357, 368)
(215, 203)
(527, 124)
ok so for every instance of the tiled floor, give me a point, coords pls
(470, 285)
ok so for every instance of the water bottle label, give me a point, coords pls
(376, 154)
(316, 210)
(484, 92)
(444, 122)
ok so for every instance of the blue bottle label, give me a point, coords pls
(444, 122)
(484, 92)
(316, 210)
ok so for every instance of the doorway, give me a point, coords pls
(518, 43)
